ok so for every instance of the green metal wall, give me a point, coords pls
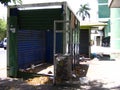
(12, 45)
(12, 23)
(38, 19)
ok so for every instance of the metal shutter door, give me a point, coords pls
(31, 47)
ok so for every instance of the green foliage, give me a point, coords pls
(5, 2)
(3, 29)
(84, 11)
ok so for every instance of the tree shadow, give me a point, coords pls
(105, 57)
(116, 88)
(97, 85)
(18, 84)
(14, 84)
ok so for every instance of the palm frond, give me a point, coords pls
(17, 1)
(84, 11)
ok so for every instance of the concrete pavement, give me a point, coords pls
(3, 63)
(102, 75)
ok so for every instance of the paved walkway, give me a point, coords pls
(3, 63)
(101, 75)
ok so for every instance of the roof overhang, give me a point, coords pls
(48, 4)
(114, 3)
(90, 25)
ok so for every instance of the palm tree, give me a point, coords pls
(84, 11)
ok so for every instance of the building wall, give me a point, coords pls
(113, 16)
(102, 1)
(107, 29)
(104, 15)
(115, 32)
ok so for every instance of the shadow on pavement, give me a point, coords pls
(105, 58)
(97, 85)
(16, 84)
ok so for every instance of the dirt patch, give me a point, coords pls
(42, 80)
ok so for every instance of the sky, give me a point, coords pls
(3, 12)
(73, 4)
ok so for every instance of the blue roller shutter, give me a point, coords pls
(31, 47)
